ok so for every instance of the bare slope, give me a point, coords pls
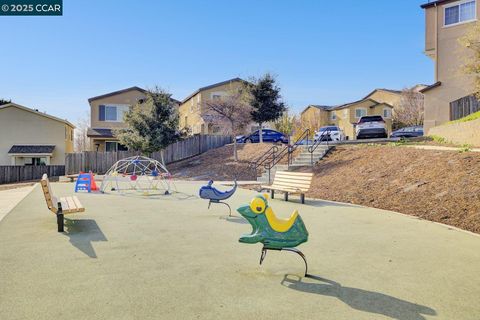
(440, 186)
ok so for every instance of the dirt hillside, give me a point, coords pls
(442, 186)
(218, 164)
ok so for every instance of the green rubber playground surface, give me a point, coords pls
(168, 257)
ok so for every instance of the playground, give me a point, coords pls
(169, 257)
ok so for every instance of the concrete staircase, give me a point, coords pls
(304, 159)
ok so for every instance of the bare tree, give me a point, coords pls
(286, 124)
(410, 109)
(231, 112)
(81, 139)
(313, 122)
(471, 67)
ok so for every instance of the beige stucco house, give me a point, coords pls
(193, 113)
(346, 116)
(30, 137)
(445, 22)
(106, 114)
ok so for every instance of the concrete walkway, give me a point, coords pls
(169, 257)
(11, 197)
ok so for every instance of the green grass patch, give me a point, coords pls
(470, 117)
(438, 139)
(465, 148)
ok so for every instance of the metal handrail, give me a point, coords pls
(272, 157)
(270, 154)
(305, 135)
(286, 151)
(318, 142)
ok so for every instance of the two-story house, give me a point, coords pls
(31, 137)
(445, 22)
(346, 116)
(106, 114)
(193, 111)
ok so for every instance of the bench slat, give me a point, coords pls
(278, 185)
(70, 204)
(78, 204)
(290, 178)
(296, 182)
(298, 174)
(292, 191)
(289, 188)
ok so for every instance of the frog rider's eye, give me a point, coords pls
(257, 205)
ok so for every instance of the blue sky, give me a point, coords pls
(321, 52)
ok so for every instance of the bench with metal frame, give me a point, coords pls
(290, 182)
(59, 206)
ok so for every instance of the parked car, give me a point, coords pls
(329, 133)
(268, 135)
(371, 127)
(408, 132)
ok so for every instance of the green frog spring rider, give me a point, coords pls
(274, 233)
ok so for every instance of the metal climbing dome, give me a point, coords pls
(138, 174)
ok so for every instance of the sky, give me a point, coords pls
(322, 52)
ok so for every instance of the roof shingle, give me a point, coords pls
(31, 149)
(97, 133)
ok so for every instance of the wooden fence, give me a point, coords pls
(100, 162)
(12, 174)
(463, 107)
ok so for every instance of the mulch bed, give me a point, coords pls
(219, 164)
(441, 186)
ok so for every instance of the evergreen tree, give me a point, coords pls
(3, 101)
(266, 101)
(152, 123)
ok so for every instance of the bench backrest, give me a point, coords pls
(293, 180)
(48, 194)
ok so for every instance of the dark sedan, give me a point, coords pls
(268, 135)
(408, 132)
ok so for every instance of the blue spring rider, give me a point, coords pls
(213, 195)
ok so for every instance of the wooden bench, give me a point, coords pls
(290, 182)
(59, 206)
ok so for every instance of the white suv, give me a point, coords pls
(371, 127)
(330, 133)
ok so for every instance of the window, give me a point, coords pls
(459, 12)
(360, 113)
(112, 113)
(113, 146)
(387, 113)
(333, 116)
(35, 161)
(216, 97)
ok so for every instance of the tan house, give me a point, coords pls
(392, 97)
(106, 114)
(30, 137)
(445, 22)
(193, 113)
(346, 116)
